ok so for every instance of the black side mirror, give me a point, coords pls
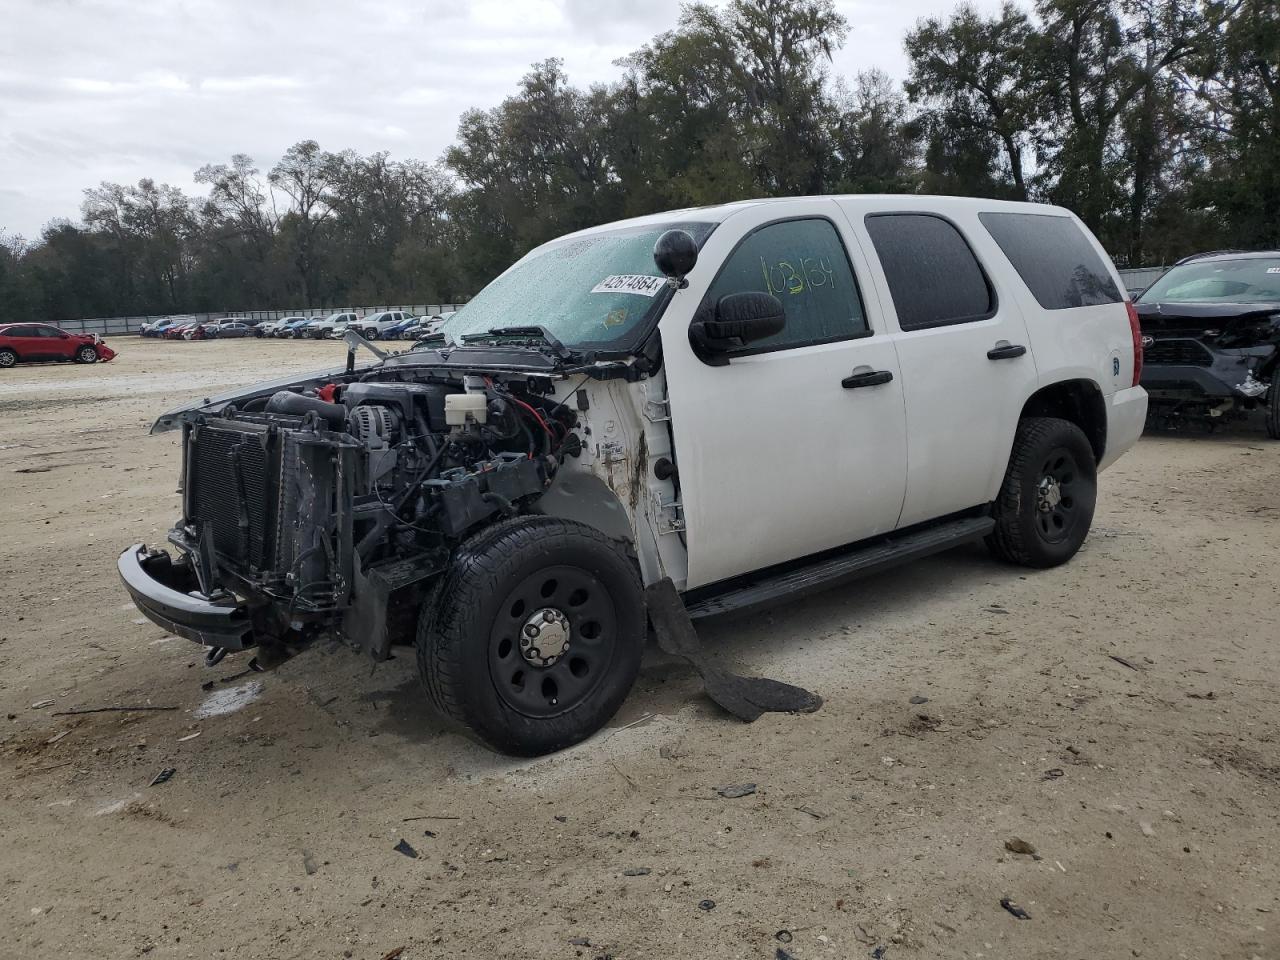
(739, 319)
(675, 253)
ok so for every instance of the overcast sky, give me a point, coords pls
(94, 90)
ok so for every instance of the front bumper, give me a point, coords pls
(157, 585)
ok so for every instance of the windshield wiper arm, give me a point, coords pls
(533, 330)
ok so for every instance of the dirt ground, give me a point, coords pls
(1118, 714)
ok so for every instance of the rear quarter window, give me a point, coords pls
(1054, 259)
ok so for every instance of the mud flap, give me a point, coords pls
(744, 697)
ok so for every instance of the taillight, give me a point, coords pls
(1135, 327)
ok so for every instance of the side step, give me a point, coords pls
(767, 588)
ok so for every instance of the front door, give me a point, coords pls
(797, 443)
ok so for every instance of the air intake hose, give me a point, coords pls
(295, 404)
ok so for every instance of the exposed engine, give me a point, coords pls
(322, 502)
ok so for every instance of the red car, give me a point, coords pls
(32, 342)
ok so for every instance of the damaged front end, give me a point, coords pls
(330, 507)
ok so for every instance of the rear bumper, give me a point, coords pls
(1126, 418)
(187, 613)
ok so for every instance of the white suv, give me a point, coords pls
(701, 411)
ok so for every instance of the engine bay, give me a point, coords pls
(318, 503)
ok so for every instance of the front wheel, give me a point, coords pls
(371, 334)
(86, 354)
(537, 635)
(1045, 506)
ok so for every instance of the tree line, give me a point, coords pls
(1156, 121)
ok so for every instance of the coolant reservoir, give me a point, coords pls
(463, 408)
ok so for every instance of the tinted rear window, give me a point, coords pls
(932, 273)
(1054, 258)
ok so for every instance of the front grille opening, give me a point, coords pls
(1178, 352)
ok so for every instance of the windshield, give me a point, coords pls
(1253, 280)
(586, 291)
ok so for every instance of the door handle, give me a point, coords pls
(1006, 351)
(872, 378)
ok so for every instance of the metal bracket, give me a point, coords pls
(668, 515)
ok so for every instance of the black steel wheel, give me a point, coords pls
(1045, 506)
(536, 636)
(553, 641)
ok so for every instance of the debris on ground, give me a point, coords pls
(1014, 909)
(164, 776)
(189, 736)
(636, 872)
(309, 862)
(39, 704)
(1146, 828)
(1054, 773)
(408, 851)
(1124, 663)
(735, 790)
(783, 936)
(781, 954)
(56, 737)
(878, 953)
(579, 941)
(1201, 696)
(1017, 845)
(917, 700)
(77, 713)
(706, 904)
(393, 954)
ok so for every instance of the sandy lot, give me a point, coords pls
(1149, 786)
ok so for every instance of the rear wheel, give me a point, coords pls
(1045, 506)
(86, 354)
(537, 635)
(7, 358)
(1273, 406)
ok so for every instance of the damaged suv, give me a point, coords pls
(1212, 326)
(725, 406)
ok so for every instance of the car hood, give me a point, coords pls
(1226, 324)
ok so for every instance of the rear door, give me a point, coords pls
(962, 341)
(782, 450)
(28, 343)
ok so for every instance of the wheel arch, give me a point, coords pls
(584, 497)
(1079, 401)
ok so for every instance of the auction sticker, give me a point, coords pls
(638, 283)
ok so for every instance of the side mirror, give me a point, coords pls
(739, 319)
(675, 253)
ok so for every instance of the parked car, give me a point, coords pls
(175, 331)
(199, 331)
(294, 328)
(320, 329)
(35, 342)
(374, 326)
(1211, 330)
(152, 326)
(430, 326)
(229, 330)
(268, 328)
(729, 406)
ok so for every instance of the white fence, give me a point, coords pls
(117, 326)
(1138, 279)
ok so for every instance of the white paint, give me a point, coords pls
(221, 702)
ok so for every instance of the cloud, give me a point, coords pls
(94, 90)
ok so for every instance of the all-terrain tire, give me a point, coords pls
(1272, 416)
(1046, 503)
(7, 358)
(473, 651)
(86, 354)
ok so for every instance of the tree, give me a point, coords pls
(976, 78)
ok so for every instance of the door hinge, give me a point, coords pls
(657, 411)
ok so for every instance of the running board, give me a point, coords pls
(830, 571)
